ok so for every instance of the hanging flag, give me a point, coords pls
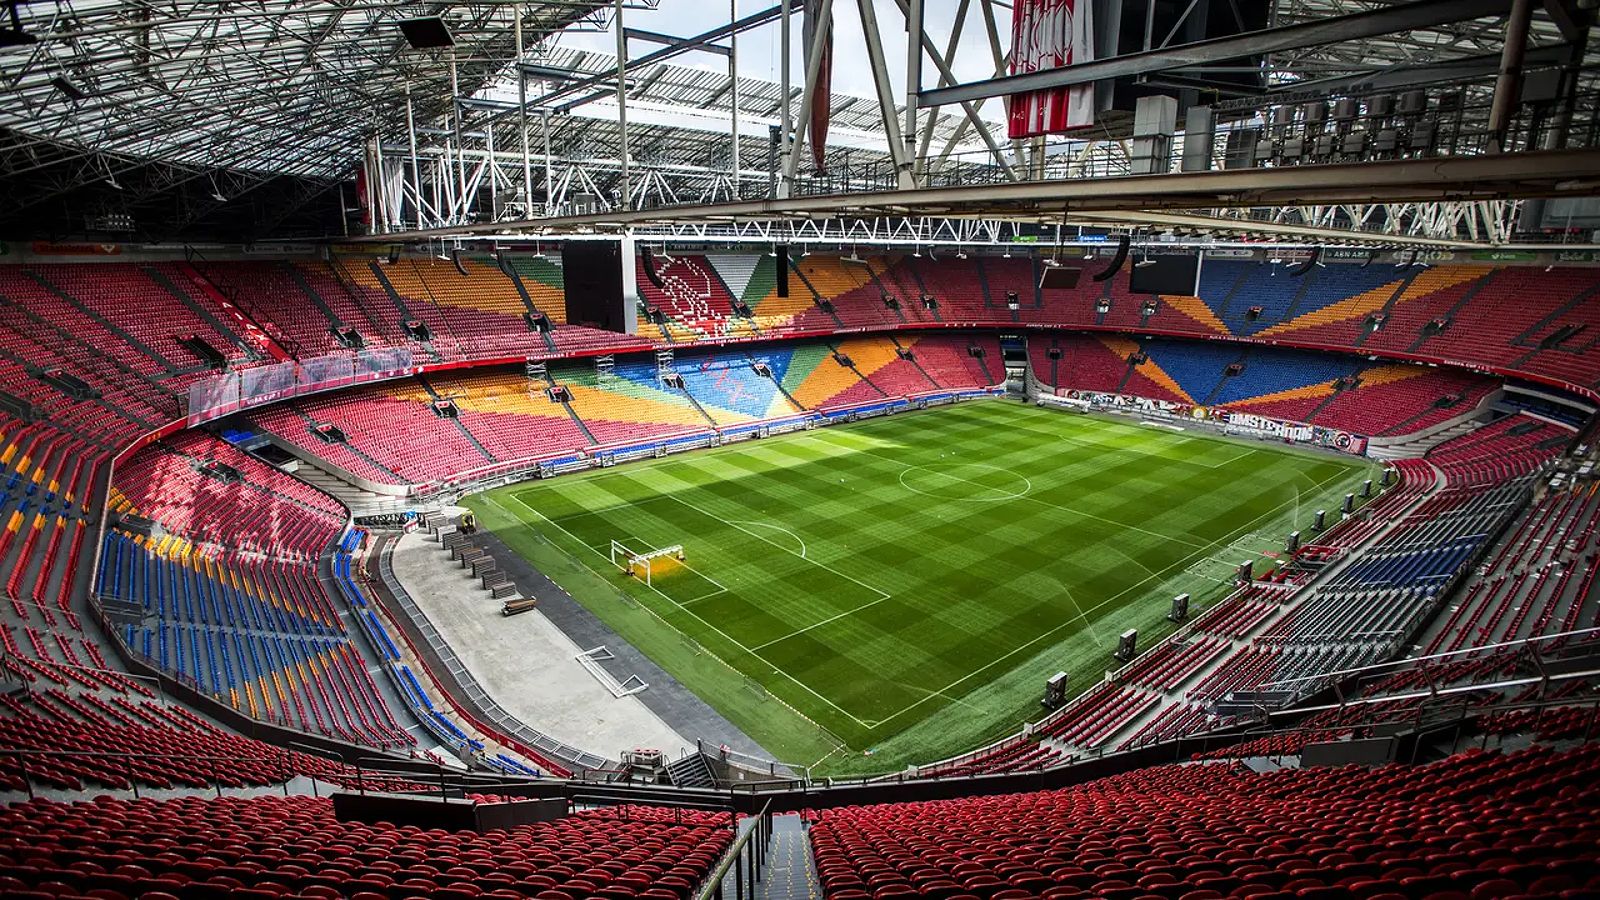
(822, 96)
(361, 195)
(1049, 34)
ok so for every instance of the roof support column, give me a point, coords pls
(913, 80)
(733, 94)
(786, 119)
(880, 80)
(416, 167)
(522, 117)
(1509, 84)
(622, 105)
(813, 69)
(544, 126)
(460, 163)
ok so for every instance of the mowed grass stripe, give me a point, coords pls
(911, 607)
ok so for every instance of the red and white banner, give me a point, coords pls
(1049, 34)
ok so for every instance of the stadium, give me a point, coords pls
(967, 450)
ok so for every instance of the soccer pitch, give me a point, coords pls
(897, 590)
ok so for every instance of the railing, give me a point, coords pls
(746, 859)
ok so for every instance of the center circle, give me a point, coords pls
(965, 482)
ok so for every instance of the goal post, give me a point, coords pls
(640, 564)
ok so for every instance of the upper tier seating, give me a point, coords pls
(1298, 386)
(1481, 824)
(1522, 319)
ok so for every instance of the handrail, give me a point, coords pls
(756, 839)
(1415, 662)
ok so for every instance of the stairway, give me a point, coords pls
(691, 771)
(105, 323)
(816, 298)
(176, 290)
(701, 409)
(1450, 314)
(791, 866)
(914, 364)
(465, 431)
(299, 278)
(580, 423)
(778, 383)
(1394, 298)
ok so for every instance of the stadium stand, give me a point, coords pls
(1335, 391)
(391, 433)
(238, 525)
(1482, 822)
(295, 846)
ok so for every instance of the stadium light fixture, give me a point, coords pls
(427, 33)
(67, 88)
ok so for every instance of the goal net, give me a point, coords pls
(642, 564)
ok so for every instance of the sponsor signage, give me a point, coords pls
(1295, 432)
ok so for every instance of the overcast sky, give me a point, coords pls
(759, 48)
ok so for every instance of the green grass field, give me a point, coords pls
(863, 597)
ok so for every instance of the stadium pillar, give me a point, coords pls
(416, 167)
(880, 81)
(460, 164)
(1507, 85)
(786, 119)
(544, 126)
(733, 95)
(622, 105)
(913, 81)
(522, 117)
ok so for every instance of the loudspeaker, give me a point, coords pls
(1055, 691)
(1127, 644)
(394, 254)
(1300, 268)
(650, 273)
(783, 269)
(1116, 261)
(1059, 278)
(594, 285)
(455, 257)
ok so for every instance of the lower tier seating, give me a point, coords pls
(281, 846)
(393, 433)
(1479, 825)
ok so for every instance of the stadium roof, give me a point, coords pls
(281, 86)
(226, 97)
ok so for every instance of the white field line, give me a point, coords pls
(729, 638)
(1182, 562)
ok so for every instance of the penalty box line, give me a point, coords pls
(1084, 614)
(727, 637)
(605, 550)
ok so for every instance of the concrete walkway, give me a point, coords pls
(525, 662)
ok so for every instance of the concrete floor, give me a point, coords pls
(526, 663)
